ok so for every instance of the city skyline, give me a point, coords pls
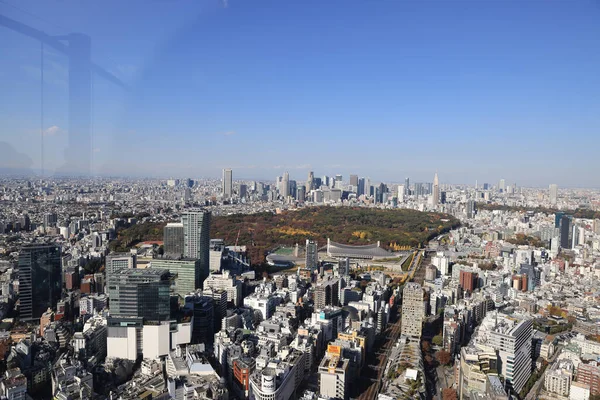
(462, 104)
(300, 200)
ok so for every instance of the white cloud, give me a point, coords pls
(227, 133)
(52, 131)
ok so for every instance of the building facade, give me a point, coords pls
(40, 279)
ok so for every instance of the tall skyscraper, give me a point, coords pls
(285, 185)
(471, 208)
(173, 239)
(436, 190)
(401, 193)
(360, 188)
(312, 256)
(301, 193)
(566, 232)
(227, 183)
(367, 187)
(310, 182)
(196, 237)
(40, 279)
(243, 191)
(502, 186)
(553, 191)
(412, 310)
(512, 339)
(406, 187)
(140, 293)
(354, 180)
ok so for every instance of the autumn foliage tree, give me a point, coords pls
(449, 394)
(443, 357)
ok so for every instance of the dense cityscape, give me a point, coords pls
(501, 303)
(299, 200)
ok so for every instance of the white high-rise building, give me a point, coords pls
(285, 185)
(502, 185)
(553, 191)
(413, 310)
(436, 190)
(227, 183)
(512, 339)
(401, 193)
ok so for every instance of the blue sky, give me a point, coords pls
(476, 89)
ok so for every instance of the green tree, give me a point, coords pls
(438, 340)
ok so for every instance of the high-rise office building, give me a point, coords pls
(285, 185)
(196, 236)
(553, 193)
(401, 193)
(201, 307)
(327, 294)
(502, 186)
(354, 180)
(512, 339)
(243, 191)
(50, 220)
(471, 208)
(566, 232)
(227, 183)
(338, 182)
(140, 293)
(301, 193)
(186, 273)
(310, 181)
(40, 279)
(173, 239)
(406, 187)
(413, 310)
(436, 190)
(312, 256)
(368, 191)
(468, 280)
(360, 187)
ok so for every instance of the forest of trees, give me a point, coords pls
(356, 226)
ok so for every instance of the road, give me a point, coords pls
(392, 334)
(535, 390)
